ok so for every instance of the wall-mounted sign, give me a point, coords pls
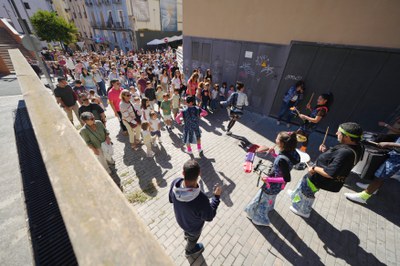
(248, 54)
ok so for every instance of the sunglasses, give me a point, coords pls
(127, 95)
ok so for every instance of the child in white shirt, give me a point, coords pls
(147, 140)
(176, 102)
(155, 127)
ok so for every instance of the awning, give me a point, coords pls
(164, 40)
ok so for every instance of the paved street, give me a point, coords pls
(338, 232)
(15, 245)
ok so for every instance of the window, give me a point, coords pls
(115, 36)
(121, 17)
(84, 11)
(195, 50)
(26, 5)
(206, 53)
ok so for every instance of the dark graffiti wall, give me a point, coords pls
(258, 65)
(363, 80)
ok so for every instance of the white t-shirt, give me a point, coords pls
(146, 114)
(176, 82)
(154, 124)
(242, 100)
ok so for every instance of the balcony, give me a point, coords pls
(116, 26)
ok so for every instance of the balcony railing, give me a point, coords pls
(122, 26)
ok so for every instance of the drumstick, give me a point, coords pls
(272, 149)
(312, 96)
(297, 111)
(373, 142)
(326, 134)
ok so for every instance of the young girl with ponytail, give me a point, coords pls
(279, 174)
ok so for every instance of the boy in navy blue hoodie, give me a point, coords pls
(191, 206)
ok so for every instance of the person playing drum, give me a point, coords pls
(279, 174)
(311, 121)
(330, 169)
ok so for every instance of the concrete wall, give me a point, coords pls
(352, 22)
(103, 227)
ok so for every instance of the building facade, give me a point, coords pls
(62, 9)
(26, 9)
(111, 26)
(349, 48)
(155, 19)
(80, 17)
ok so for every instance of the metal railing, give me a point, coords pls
(103, 227)
(117, 26)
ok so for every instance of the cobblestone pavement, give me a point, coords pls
(338, 232)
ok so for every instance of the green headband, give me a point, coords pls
(349, 134)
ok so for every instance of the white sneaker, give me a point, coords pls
(188, 152)
(289, 192)
(299, 213)
(355, 197)
(364, 186)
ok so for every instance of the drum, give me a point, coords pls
(369, 136)
(301, 138)
(372, 159)
(304, 157)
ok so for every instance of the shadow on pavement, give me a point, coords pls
(385, 203)
(340, 244)
(210, 178)
(162, 157)
(308, 256)
(266, 126)
(176, 140)
(145, 168)
(197, 261)
(227, 189)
